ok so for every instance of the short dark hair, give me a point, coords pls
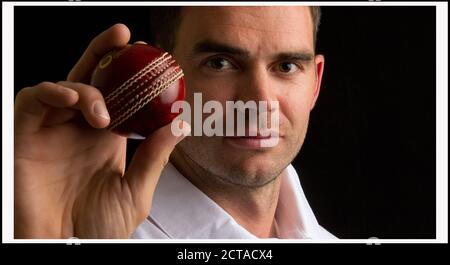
(165, 20)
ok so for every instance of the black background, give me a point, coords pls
(368, 163)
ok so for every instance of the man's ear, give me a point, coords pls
(319, 63)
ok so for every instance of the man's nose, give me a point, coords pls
(256, 86)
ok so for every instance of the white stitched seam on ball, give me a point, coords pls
(149, 67)
(154, 88)
(117, 109)
(147, 98)
(146, 78)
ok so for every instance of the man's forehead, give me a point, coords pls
(263, 12)
(272, 27)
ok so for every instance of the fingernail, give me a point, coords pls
(100, 110)
(185, 131)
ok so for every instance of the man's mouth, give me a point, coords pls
(258, 141)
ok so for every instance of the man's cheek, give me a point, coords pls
(297, 119)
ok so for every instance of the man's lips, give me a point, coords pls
(257, 135)
(250, 137)
(253, 142)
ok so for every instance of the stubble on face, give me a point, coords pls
(258, 31)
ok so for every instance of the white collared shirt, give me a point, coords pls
(181, 211)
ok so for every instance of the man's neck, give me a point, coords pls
(252, 208)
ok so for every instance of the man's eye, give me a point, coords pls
(287, 67)
(219, 64)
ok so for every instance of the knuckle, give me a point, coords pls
(44, 84)
(89, 92)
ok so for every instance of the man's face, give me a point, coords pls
(249, 53)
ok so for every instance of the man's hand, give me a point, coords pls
(69, 171)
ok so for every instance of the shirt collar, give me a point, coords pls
(182, 211)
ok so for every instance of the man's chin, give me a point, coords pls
(253, 177)
(256, 168)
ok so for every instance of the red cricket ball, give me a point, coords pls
(139, 84)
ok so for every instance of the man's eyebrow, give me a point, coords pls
(210, 46)
(294, 56)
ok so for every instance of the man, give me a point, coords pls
(70, 177)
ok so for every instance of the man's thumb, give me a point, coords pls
(148, 162)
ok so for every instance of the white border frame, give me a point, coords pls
(441, 120)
